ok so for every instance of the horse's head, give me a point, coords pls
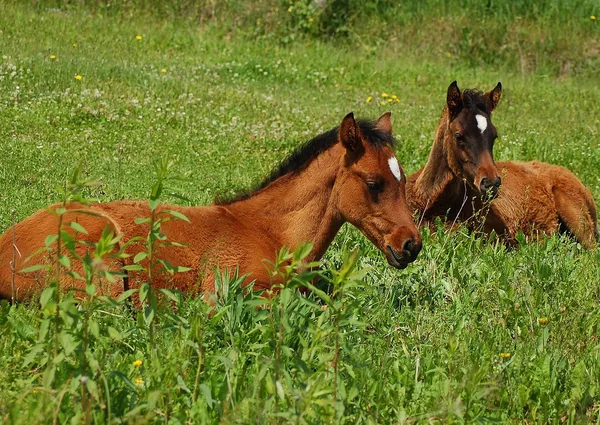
(370, 189)
(470, 138)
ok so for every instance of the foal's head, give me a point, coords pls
(370, 189)
(469, 142)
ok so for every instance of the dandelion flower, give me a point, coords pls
(505, 355)
(397, 100)
(370, 98)
(394, 97)
(542, 320)
(137, 363)
(311, 20)
(390, 100)
(78, 77)
(138, 37)
(384, 94)
(290, 9)
(53, 57)
(593, 17)
(74, 45)
(139, 381)
(383, 103)
(163, 70)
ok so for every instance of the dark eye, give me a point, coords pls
(374, 186)
(460, 140)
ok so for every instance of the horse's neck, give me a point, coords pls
(436, 176)
(298, 207)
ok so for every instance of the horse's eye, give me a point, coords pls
(458, 136)
(374, 186)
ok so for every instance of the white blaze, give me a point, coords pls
(395, 167)
(481, 123)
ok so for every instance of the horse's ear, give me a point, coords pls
(454, 100)
(350, 133)
(493, 97)
(384, 123)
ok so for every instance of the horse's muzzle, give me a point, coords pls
(489, 188)
(399, 260)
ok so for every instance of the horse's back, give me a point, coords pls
(548, 196)
(25, 243)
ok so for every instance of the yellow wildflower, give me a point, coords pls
(397, 100)
(505, 355)
(383, 103)
(138, 37)
(370, 98)
(593, 18)
(384, 94)
(311, 20)
(139, 381)
(163, 70)
(137, 363)
(53, 57)
(390, 100)
(542, 320)
(78, 77)
(74, 45)
(394, 97)
(290, 9)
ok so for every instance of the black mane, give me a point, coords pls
(308, 151)
(475, 101)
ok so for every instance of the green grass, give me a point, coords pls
(419, 345)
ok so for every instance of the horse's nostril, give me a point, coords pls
(412, 248)
(498, 182)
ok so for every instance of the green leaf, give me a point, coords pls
(181, 384)
(144, 289)
(50, 239)
(30, 357)
(48, 376)
(126, 294)
(35, 268)
(148, 315)
(153, 204)
(140, 256)
(114, 334)
(64, 261)
(170, 294)
(133, 268)
(94, 328)
(47, 294)
(142, 220)
(67, 342)
(90, 289)
(178, 215)
(78, 227)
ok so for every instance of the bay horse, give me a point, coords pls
(348, 174)
(461, 182)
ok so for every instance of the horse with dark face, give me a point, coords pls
(348, 174)
(461, 182)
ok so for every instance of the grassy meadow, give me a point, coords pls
(469, 333)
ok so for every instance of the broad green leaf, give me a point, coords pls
(78, 227)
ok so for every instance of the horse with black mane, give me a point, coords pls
(348, 174)
(462, 183)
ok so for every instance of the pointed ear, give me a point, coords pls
(454, 100)
(493, 97)
(384, 124)
(349, 133)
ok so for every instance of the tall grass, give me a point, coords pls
(549, 36)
